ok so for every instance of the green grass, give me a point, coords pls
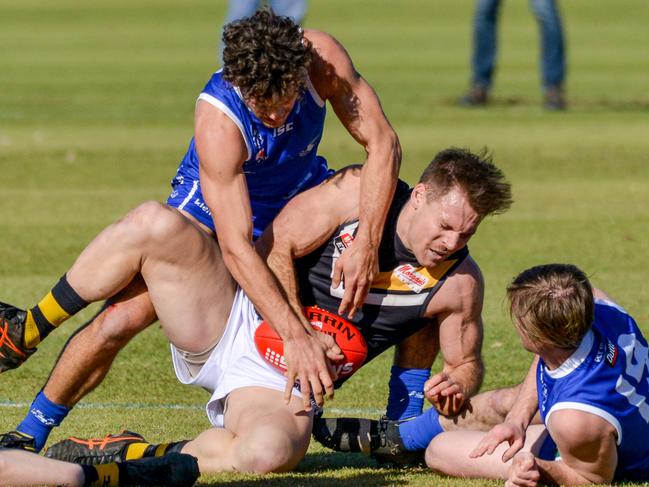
(96, 107)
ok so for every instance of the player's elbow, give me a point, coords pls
(386, 144)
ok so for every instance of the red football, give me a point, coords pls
(347, 336)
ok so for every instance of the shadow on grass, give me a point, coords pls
(350, 479)
(324, 469)
(613, 105)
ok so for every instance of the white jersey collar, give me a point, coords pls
(575, 360)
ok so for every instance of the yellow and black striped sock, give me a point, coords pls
(105, 475)
(144, 450)
(58, 305)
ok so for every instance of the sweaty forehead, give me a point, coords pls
(276, 100)
(456, 209)
(454, 197)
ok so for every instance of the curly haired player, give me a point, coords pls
(258, 124)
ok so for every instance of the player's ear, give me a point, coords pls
(418, 195)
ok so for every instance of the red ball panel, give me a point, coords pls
(347, 336)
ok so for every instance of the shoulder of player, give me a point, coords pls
(574, 429)
(462, 291)
(329, 64)
(214, 126)
(338, 192)
(346, 178)
(322, 43)
(586, 442)
(466, 279)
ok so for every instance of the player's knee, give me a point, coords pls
(151, 221)
(272, 453)
(502, 400)
(433, 457)
(120, 322)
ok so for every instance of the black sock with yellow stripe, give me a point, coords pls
(58, 305)
(173, 470)
(104, 475)
(146, 450)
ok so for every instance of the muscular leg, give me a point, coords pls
(188, 283)
(448, 454)
(89, 354)
(22, 468)
(485, 411)
(153, 247)
(261, 435)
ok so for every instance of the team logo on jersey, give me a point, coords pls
(309, 147)
(544, 392)
(343, 241)
(259, 144)
(287, 127)
(408, 275)
(611, 353)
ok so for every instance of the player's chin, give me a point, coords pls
(273, 124)
(431, 258)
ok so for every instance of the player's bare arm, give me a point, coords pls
(512, 430)
(222, 151)
(359, 110)
(588, 447)
(457, 308)
(304, 224)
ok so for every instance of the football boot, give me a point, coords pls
(17, 441)
(378, 438)
(12, 331)
(93, 451)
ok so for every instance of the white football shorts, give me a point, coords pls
(234, 363)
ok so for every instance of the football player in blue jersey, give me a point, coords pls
(588, 387)
(258, 124)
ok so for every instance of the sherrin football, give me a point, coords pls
(347, 336)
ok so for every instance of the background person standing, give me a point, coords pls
(485, 40)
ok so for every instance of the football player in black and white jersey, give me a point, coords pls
(427, 283)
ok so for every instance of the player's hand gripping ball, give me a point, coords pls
(347, 337)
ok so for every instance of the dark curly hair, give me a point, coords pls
(266, 56)
(485, 185)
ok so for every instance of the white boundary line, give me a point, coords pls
(197, 407)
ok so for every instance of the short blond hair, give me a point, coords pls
(552, 304)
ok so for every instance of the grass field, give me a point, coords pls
(96, 106)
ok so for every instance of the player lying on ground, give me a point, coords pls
(590, 384)
(426, 277)
(19, 467)
(257, 132)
